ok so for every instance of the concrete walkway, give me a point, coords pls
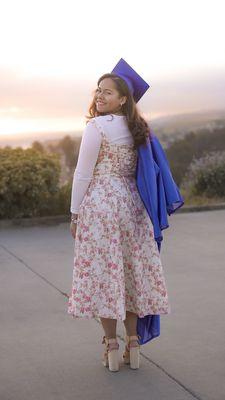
(47, 355)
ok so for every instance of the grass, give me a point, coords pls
(194, 200)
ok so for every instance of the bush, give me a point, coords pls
(61, 200)
(29, 182)
(182, 152)
(206, 175)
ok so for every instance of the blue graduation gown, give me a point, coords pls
(160, 196)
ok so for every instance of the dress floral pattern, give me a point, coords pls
(117, 266)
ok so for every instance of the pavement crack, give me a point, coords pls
(188, 390)
(191, 392)
(34, 272)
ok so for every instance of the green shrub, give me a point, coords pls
(182, 152)
(29, 182)
(61, 200)
(206, 176)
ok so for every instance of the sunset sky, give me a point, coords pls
(53, 52)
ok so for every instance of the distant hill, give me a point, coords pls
(25, 140)
(167, 128)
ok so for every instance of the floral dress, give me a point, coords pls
(117, 266)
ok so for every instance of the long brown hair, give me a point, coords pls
(136, 123)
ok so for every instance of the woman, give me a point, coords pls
(117, 272)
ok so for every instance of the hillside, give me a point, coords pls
(167, 128)
(170, 128)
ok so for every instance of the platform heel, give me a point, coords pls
(131, 354)
(111, 355)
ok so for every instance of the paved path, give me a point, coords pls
(47, 355)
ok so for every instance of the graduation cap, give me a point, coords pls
(135, 83)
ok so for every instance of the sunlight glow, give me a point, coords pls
(51, 49)
(16, 127)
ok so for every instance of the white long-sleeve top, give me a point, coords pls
(116, 130)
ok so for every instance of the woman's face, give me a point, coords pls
(107, 98)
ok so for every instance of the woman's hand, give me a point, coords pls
(73, 229)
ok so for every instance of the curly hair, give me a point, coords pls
(137, 125)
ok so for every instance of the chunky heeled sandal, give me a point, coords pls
(131, 354)
(111, 357)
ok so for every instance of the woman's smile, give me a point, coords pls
(100, 102)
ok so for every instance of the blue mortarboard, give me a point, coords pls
(135, 83)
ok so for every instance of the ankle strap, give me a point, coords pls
(133, 337)
(109, 340)
(132, 340)
(111, 343)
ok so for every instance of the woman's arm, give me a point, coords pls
(87, 158)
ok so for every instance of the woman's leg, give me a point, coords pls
(109, 326)
(130, 323)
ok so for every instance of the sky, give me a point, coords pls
(53, 52)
